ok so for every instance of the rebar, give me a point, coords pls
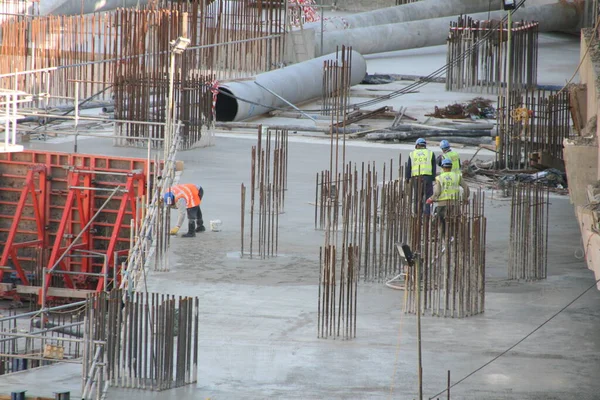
(452, 261)
(150, 340)
(528, 240)
(484, 68)
(532, 125)
(268, 183)
(122, 58)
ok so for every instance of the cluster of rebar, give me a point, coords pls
(366, 213)
(373, 216)
(340, 322)
(148, 340)
(451, 261)
(268, 183)
(532, 122)
(528, 248)
(123, 58)
(336, 84)
(481, 48)
(339, 271)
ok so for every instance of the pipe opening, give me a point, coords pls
(226, 107)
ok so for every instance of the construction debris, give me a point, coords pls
(377, 79)
(477, 108)
(550, 177)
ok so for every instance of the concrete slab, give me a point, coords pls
(44, 381)
(258, 329)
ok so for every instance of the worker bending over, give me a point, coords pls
(187, 199)
(421, 166)
(446, 193)
(449, 154)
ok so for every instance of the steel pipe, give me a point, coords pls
(296, 84)
(420, 10)
(433, 32)
(76, 7)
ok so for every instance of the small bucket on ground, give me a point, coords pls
(215, 225)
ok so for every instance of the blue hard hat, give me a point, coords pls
(169, 198)
(421, 142)
(444, 144)
(446, 162)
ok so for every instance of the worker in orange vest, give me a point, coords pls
(187, 198)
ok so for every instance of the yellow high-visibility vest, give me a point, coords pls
(450, 182)
(420, 160)
(455, 158)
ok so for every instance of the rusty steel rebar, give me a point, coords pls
(480, 50)
(452, 261)
(528, 238)
(532, 125)
(268, 177)
(121, 58)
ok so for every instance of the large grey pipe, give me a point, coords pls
(425, 9)
(76, 7)
(433, 32)
(296, 84)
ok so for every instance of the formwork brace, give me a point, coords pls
(134, 189)
(10, 247)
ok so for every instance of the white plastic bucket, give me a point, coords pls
(215, 225)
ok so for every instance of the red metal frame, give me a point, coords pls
(10, 246)
(69, 176)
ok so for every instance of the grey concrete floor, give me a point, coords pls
(258, 335)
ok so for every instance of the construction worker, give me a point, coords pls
(187, 198)
(448, 153)
(446, 192)
(421, 165)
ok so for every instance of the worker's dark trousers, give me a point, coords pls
(194, 214)
(422, 187)
(444, 212)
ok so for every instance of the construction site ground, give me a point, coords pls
(258, 321)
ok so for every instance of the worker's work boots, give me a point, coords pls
(200, 228)
(191, 230)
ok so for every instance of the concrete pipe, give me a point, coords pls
(296, 84)
(433, 32)
(76, 7)
(425, 9)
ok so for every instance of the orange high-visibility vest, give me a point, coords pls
(187, 191)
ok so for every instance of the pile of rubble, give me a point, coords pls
(485, 173)
(477, 108)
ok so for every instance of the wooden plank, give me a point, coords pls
(542, 160)
(55, 292)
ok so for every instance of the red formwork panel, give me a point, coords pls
(50, 199)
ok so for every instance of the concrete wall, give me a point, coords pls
(581, 163)
(582, 157)
(590, 239)
(588, 73)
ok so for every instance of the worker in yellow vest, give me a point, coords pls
(448, 153)
(187, 198)
(421, 167)
(446, 193)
